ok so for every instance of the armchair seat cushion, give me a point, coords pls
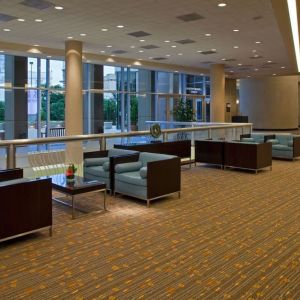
(282, 147)
(98, 161)
(128, 167)
(13, 181)
(131, 178)
(97, 171)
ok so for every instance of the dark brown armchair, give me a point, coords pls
(25, 205)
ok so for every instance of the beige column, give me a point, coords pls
(74, 99)
(230, 98)
(217, 93)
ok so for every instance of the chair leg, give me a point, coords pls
(50, 231)
(148, 203)
(179, 195)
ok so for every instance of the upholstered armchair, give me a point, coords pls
(99, 165)
(25, 204)
(150, 177)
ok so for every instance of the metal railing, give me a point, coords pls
(12, 145)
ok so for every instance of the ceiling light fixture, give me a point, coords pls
(36, 45)
(168, 55)
(207, 34)
(104, 29)
(6, 29)
(58, 7)
(173, 46)
(269, 61)
(38, 20)
(180, 53)
(235, 47)
(292, 7)
(69, 37)
(142, 41)
(239, 64)
(223, 58)
(21, 20)
(274, 74)
(282, 67)
(102, 51)
(141, 51)
(83, 34)
(253, 51)
(258, 42)
(132, 47)
(255, 69)
(167, 41)
(49, 56)
(199, 51)
(120, 26)
(222, 4)
(213, 49)
(1, 51)
(109, 46)
(236, 30)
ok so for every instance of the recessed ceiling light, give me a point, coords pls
(140, 59)
(38, 20)
(142, 40)
(58, 7)
(141, 51)
(236, 30)
(248, 76)
(150, 57)
(231, 71)
(21, 20)
(69, 37)
(112, 55)
(1, 51)
(239, 64)
(256, 55)
(269, 61)
(274, 74)
(128, 66)
(6, 29)
(168, 55)
(132, 47)
(175, 71)
(235, 47)
(167, 41)
(173, 46)
(102, 51)
(104, 29)
(222, 4)
(83, 34)
(180, 53)
(255, 69)
(120, 26)
(199, 51)
(201, 74)
(282, 67)
(213, 49)
(36, 45)
(207, 34)
(109, 46)
(223, 58)
(258, 42)
(253, 51)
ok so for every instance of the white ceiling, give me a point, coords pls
(158, 17)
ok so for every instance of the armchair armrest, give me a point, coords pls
(115, 160)
(95, 154)
(163, 177)
(246, 135)
(10, 174)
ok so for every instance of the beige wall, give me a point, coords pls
(270, 102)
(230, 97)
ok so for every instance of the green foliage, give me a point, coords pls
(183, 111)
(110, 110)
(133, 110)
(2, 110)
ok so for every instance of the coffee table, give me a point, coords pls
(79, 186)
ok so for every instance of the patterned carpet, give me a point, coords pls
(232, 235)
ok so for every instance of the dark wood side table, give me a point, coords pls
(80, 186)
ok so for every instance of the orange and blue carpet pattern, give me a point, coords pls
(232, 235)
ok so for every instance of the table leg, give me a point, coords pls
(104, 199)
(73, 208)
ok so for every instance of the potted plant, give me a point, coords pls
(183, 111)
(70, 173)
(134, 113)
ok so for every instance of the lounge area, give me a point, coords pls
(209, 240)
(150, 150)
